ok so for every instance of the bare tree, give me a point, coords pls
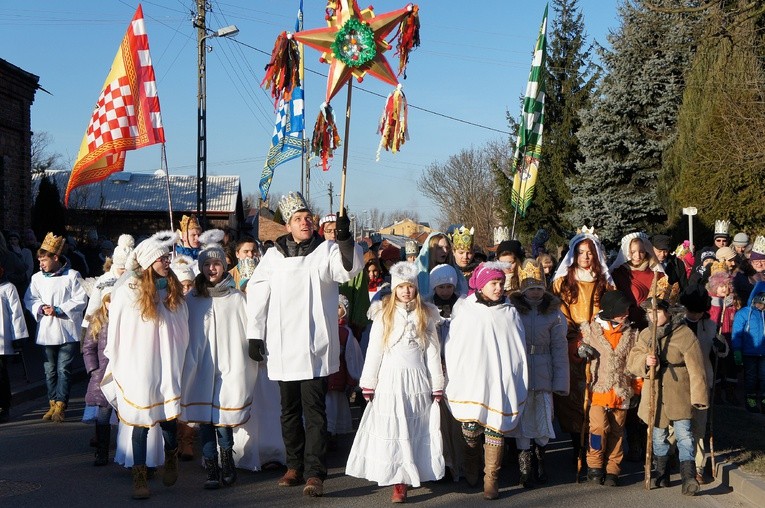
(42, 156)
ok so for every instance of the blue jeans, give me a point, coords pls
(58, 369)
(683, 435)
(207, 433)
(754, 375)
(141, 435)
(104, 415)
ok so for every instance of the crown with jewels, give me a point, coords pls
(53, 244)
(531, 276)
(722, 227)
(664, 291)
(189, 222)
(717, 267)
(411, 248)
(462, 238)
(291, 203)
(759, 245)
(501, 234)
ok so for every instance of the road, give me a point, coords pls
(45, 464)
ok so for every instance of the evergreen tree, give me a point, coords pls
(632, 119)
(48, 213)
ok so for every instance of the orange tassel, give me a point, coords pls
(325, 138)
(393, 123)
(408, 38)
(283, 71)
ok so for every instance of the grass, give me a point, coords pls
(740, 438)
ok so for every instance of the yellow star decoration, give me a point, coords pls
(342, 24)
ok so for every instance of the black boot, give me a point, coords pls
(524, 464)
(103, 438)
(595, 475)
(688, 474)
(662, 472)
(228, 469)
(539, 453)
(213, 473)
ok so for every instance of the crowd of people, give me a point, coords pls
(196, 340)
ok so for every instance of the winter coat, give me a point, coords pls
(749, 327)
(680, 382)
(609, 370)
(95, 363)
(706, 331)
(546, 347)
(635, 284)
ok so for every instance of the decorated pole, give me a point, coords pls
(651, 376)
(345, 147)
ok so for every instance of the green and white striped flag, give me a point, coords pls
(528, 148)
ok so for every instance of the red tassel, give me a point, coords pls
(393, 123)
(408, 38)
(325, 138)
(283, 71)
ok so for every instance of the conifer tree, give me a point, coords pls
(48, 213)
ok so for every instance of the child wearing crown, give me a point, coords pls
(462, 242)
(57, 300)
(189, 235)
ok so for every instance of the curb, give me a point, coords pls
(747, 485)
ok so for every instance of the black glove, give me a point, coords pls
(587, 352)
(344, 240)
(257, 348)
(720, 347)
(343, 226)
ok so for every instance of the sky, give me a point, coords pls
(472, 65)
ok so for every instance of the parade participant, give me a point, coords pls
(744, 281)
(679, 386)
(702, 261)
(13, 329)
(580, 281)
(488, 374)
(246, 262)
(398, 441)
(547, 357)
(511, 252)
(125, 245)
(344, 380)
(328, 227)
(462, 242)
(182, 267)
(389, 256)
(684, 254)
(189, 237)
(673, 267)
(443, 280)
(740, 244)
(301, 345)
(721, 236)
(722, 311)
(547, 264)
(56, 299)
(748, 343)
(411, 250)
(437, 250)
(359, 291)
(217, 387)
(727, 256)
(148, 337)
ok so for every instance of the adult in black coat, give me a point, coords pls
(673, 267)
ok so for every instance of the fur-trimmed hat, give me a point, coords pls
(485, 272)
(151, 249)
(182, 267)
(125, 245)
(403, 272)
(613, 303)
(443, 274)
(211, 248)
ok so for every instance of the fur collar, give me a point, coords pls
(609, 370)
(550, 303)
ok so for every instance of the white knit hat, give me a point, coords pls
(403, 272)
(123, 249)
(443, 274)
(151, 249)
(182, 267)
(211, 248)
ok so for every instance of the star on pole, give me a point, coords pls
(354, 44)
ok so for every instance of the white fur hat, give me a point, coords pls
(403, 272)
(182, 267)
(123, 249)
(443, 274)
(151, 249)
(211, 247)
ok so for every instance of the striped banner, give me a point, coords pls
(528, 148)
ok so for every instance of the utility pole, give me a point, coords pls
(329, 189)
(201, 25)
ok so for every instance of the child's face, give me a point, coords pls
(547, 266)
(48, 263)
(509, 259)
(441, 251)
(213, 270)
(340, 312)
(373, 272)
(405, 293)
(723, 290)
(662, 318)
(246, 250)
(187, 286)
(162, 265)
(493, 290)
(463, 256)
(444, 291)
(534, 294)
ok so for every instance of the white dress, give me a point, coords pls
(399, 437)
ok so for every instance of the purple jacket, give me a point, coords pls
(95, 364)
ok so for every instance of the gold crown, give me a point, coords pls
(531, 276)
(717, 267)
(665, 291)
(53, 244)
(189, 222)
(462, 238)
(291, 203)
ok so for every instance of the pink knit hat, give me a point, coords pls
(486, 272)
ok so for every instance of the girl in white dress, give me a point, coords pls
(399, 442)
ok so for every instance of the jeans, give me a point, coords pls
(304, 401)
(683, 435)
(104, 415)
(58, 369)
(207, 433)
(141, 435)
(754, 375)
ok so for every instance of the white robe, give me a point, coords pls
(143, 378)
(485, 354)
(12, 324)
(216, 380)
(64, 291)
(292, 306)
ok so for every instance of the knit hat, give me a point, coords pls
(758, 249)
(531, 276)
(211, 248)
(151, 249)
(706, 254)
(443, 274)
(182, 268)
(390, 253)
(403, 272)
(661, 242)
(725, 254)
(514, 247)
(124, 247)
(486, 272)
(613, 303)
(695, 298)
(740, 240)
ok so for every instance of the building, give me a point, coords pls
(17, 93)
(406, 227)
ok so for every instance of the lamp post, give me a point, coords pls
(203, 33)
(690, 212)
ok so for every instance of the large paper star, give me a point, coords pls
(354, 44)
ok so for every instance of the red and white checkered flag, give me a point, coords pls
(127, 114)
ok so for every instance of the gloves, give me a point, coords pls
(343, 225)
(368, 393)
(634, 401)
(257, 348)
(738, 357)
(344, 241)
(587, 352)
(438, 395)
(720, 347)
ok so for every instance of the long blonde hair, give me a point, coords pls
(389, 313)
(100, 318)
(148, 298)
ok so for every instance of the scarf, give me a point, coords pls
(223, 288)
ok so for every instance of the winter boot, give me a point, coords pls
(595, 475)
(524, 465)
(730, 393)
(228, 469)
(700, 476)
(140, 487)
(751, 403)
(688, 474)
(213, 473)
(58, 412)
(186, 436)
(662, 472)
(170, 474)
(399, 493)
(49, 413)
(492, 464)
(472, 464)
(103, 437)
(539, 454)
(611, 480)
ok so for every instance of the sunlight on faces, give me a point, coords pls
(373, 272)
(740, 250)
(637, 252)
(662, 318)
(246, 250)
(213, 270)
(584, 256)
(340, 312)
(444, 291)
(547, 266)
(192, 238)
(441, 250)
(661, 254)
(723, 290)
(187, 286)
(758, 264)
(730, 264)
(49, 263)
(300, 226)
(405, 292)
(721, 241)
(162, 265)
(463, 257)
(330, 231)
(509, 259)
(493, 290)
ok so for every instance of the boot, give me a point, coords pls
(492, 463)
(700, 476)
(49, 413)
(730, 394)
(186, 436)
(399, 493)
(524, 464)
(688, 474)
(472, 465)
(539, 453)
(213, 473)
(228, 469)
(140, 487)
(595, 475)
(58, 412)
(170, 474)
(103, 438)
(662, 472)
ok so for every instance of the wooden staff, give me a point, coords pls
(651, 376)
(585, 422)
(345, 147)
(712, 403)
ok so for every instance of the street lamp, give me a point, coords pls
(202, 34)
(690, 212)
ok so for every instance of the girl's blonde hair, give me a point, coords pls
(432, 243)
(100, 318)
(389, 312)
(148, 297)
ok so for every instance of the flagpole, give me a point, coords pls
(301, 72)
(517, 201)
(163, 162)
(345, 146)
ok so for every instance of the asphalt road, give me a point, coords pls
(46, 464)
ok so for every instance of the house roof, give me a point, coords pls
(146, 192)
(269, 230)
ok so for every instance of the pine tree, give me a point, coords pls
(48, 213)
